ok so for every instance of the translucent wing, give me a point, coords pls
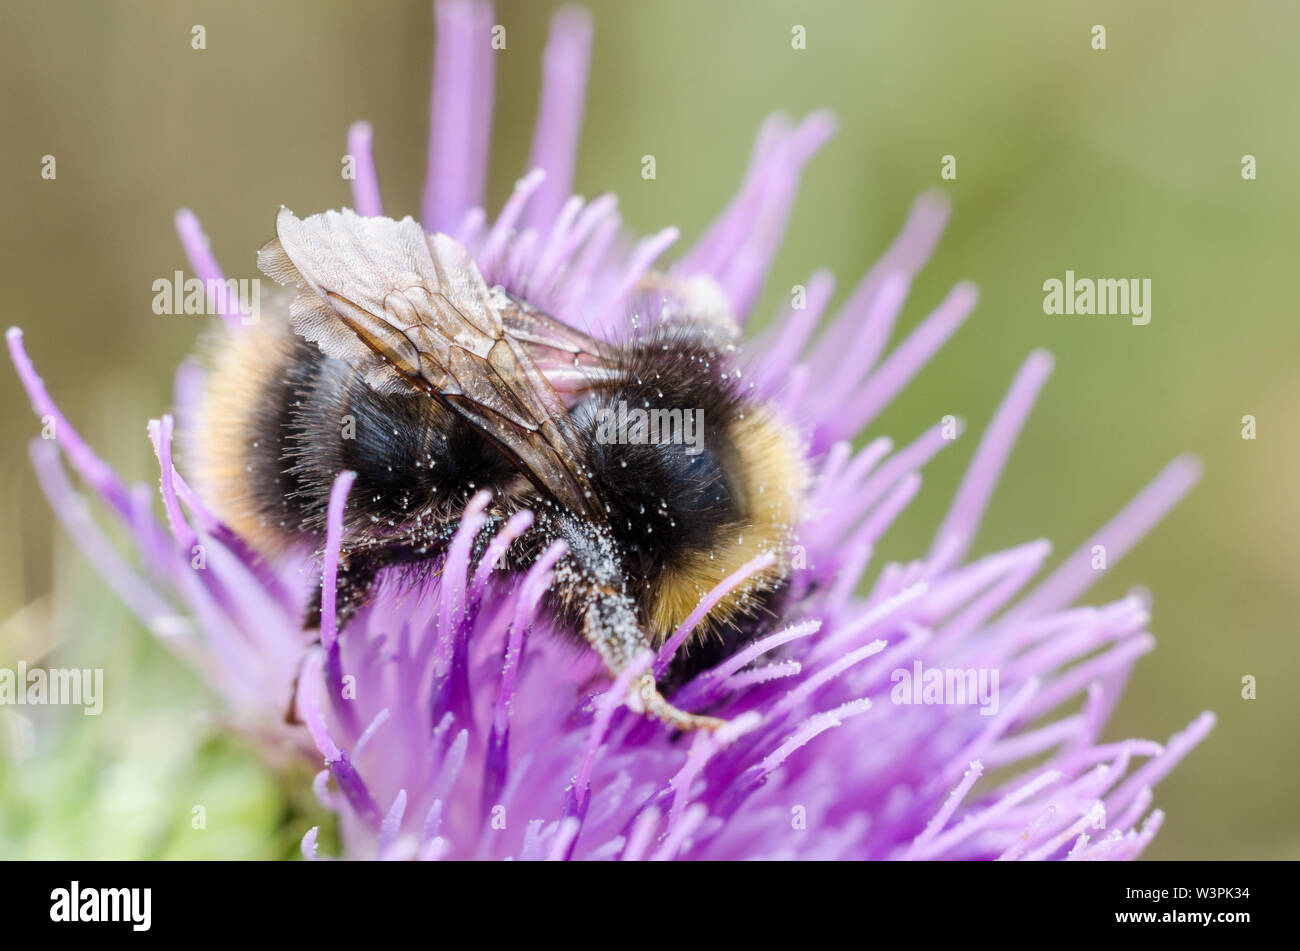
(411, 311)
(570, 360)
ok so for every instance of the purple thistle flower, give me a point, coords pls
(452, 723)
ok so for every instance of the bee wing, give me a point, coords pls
(411, 312)
(570, 360)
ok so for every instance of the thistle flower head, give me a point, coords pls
(953, 710)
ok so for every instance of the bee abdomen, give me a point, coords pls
(416, 462)
(279, 421)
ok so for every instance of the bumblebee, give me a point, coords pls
(396, 361)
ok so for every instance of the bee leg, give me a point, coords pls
(610, 626)
(653, 703)
(351, 592)
(359, 567)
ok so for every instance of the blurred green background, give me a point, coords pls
(1123, 162)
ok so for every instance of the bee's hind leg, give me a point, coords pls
(355, 581)
(358, 569)
(360, 565)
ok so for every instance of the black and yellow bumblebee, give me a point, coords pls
(395, 360)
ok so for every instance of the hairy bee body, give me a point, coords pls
(653, 520)
(281, 420)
